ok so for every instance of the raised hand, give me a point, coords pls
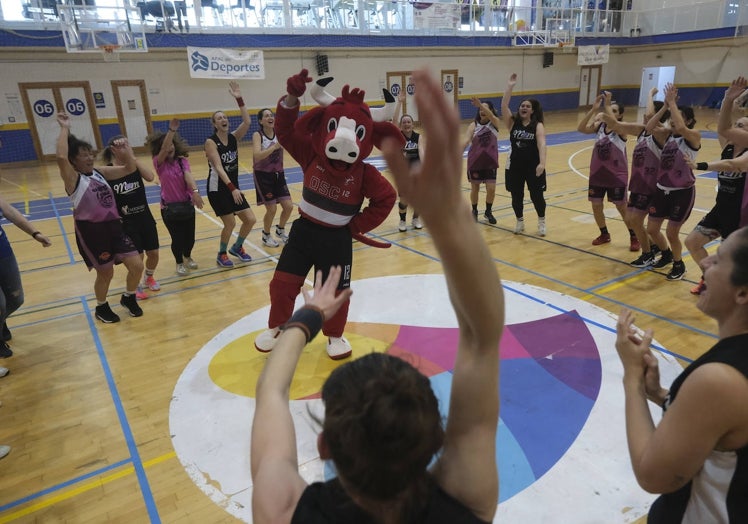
(63, 119)
(736, 88)
(296, 85)
(234, 89)
(324, 297)
(174, 124)
(512, 80)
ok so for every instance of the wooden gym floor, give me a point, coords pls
(86, 405)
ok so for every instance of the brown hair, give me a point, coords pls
(382, 426)
(154, 141)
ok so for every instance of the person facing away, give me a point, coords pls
(382, 426)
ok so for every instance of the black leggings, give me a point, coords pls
(518, 200)
(182, 237)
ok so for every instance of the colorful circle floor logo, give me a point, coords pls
(561, 405)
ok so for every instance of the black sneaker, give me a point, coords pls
(130, 302)
(5, 350)
(645, 260)
(679, 269)
(105, 314)
(664, 260)
(489, 216)
(6, 336)
(475, 215)
(655, 250)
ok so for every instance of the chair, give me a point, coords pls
(161, 12)
(215, 7)
(241, 9)
(40, 9)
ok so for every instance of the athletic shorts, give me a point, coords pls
(718, 223)
(223, 203)
(141, 228)
(102, 244)
(482, 175)
(617, 195)
(675, 205)
(640, 202)
(270, 187)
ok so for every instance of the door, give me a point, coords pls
(655, 77)
(396, 83)
(449, 85)
(43, 100)
(133, 111)
(589, 84)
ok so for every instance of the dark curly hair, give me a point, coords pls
(383, 427)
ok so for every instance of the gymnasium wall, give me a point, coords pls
(703, 70)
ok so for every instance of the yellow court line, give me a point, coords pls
(620, 283)
(129, 470)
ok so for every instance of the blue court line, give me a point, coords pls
(137, 463)
(63, 485)
(62, 228)
(588, 321)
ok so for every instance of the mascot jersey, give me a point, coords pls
(329, 198)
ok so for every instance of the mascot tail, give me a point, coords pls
(370, 241)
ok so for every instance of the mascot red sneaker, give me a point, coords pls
(330, 143)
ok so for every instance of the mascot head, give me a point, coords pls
(344, 130)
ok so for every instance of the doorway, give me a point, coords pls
(590, 79)
(43, 100)
(397, 82)
(655, 77)
(133, 111)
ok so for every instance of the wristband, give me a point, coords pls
(309, 319)
(231, 186)
(196, 190)
(702, 166)
(172, 130)
(240, 101)
(33, 235)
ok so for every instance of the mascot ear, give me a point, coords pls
(384, 130)
(311, 121)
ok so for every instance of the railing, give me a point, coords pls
(481, 17)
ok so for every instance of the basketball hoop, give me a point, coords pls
(110, 52)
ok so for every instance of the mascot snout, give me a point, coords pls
(343, 145)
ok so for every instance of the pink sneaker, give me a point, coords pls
(140, 294)
(152, 284)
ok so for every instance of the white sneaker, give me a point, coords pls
(3, 371)
(280, 232)
(519, 227)
(338, 348)
(269, 241)
(402, 226)
(541, 227)
(182, 270)
(189, 263)
(417, 224)
(4, 450)
(265, 341)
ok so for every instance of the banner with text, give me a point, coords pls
(214, 62)
(593, 54)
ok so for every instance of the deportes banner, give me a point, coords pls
(214, 62)
(593, 54)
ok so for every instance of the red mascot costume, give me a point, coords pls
(330, 143)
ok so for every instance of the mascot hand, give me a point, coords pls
(296, 85)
